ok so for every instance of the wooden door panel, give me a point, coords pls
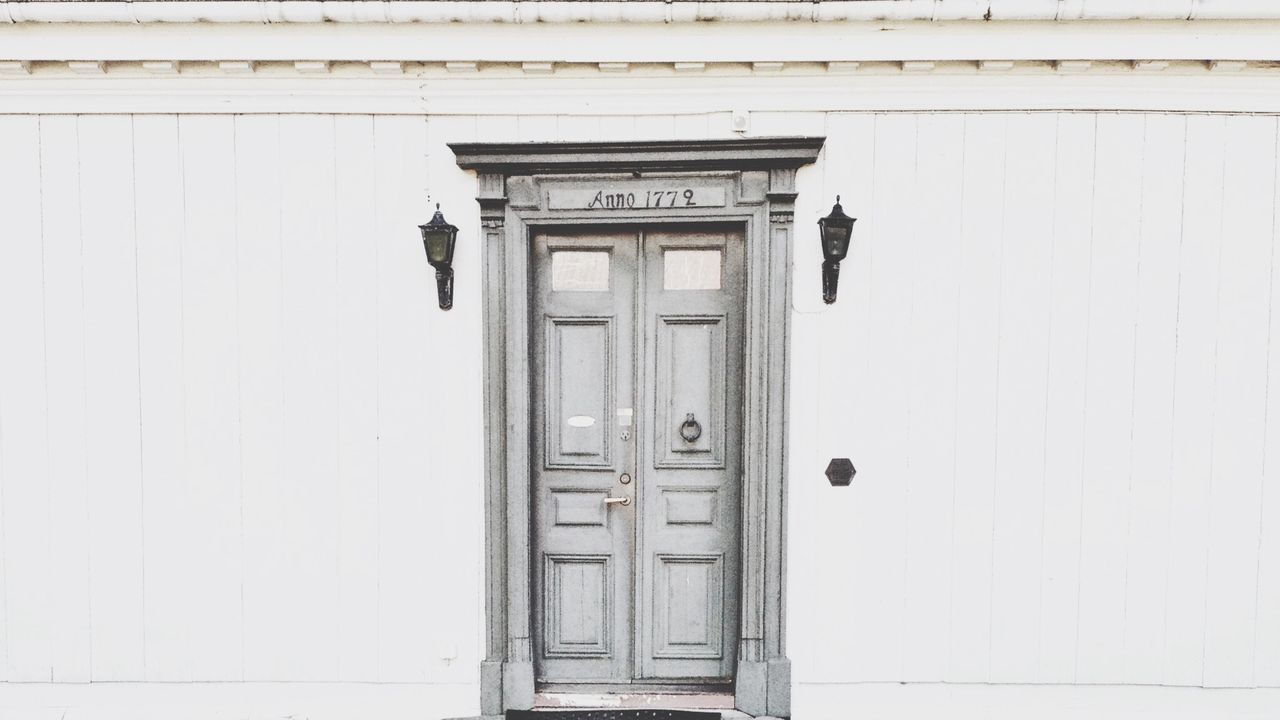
(579, 606)
(691, 351)
(580, 392)
(583, 549)
(579, 507)
(687, 592)
(690, 505)
(688, 602)
(644, 328)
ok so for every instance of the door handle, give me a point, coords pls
(624, 501)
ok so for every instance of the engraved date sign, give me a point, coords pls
(634, 197)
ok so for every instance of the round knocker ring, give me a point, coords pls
(690, 429)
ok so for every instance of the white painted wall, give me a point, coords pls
(1050, 363)
(240, 445)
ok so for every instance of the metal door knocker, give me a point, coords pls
(690, 429)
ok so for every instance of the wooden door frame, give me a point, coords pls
(758, 175)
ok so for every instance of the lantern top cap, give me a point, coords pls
(837, 212)
(437, 222)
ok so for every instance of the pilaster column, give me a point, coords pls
(782, 199)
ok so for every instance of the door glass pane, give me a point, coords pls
(691, 270)
(579, 270)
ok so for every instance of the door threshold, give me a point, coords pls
(665, 699)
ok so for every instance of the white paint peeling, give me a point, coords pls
(1073, 66)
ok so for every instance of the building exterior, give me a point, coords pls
(249, 467)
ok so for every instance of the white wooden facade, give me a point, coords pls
(241, 449)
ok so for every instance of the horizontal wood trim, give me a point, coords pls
(1043, 87)
(647, 156)
(635, 43)
(561, 11)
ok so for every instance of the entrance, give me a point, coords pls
(637, 378)
(638, 596)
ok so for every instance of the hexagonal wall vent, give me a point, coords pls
(840, 472)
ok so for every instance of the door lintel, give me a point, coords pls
(641, 156)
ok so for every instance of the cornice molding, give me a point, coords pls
(345, 68)
(628, 48)
(665, 11)
(762, 153)
(92, 85)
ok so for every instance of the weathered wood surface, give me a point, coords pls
(240, 442)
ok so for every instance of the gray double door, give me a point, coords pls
(637, 355)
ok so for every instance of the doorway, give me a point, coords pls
(570, 192)
(636, 345)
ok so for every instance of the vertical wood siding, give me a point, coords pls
(238, 440)
(1064, 397)
(1051, 364)
(113, 458)
(24, 447)
(67, 566)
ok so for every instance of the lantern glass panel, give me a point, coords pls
(835, 240)
(437, 244)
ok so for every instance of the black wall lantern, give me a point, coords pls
(439, 237)
(835, 229)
